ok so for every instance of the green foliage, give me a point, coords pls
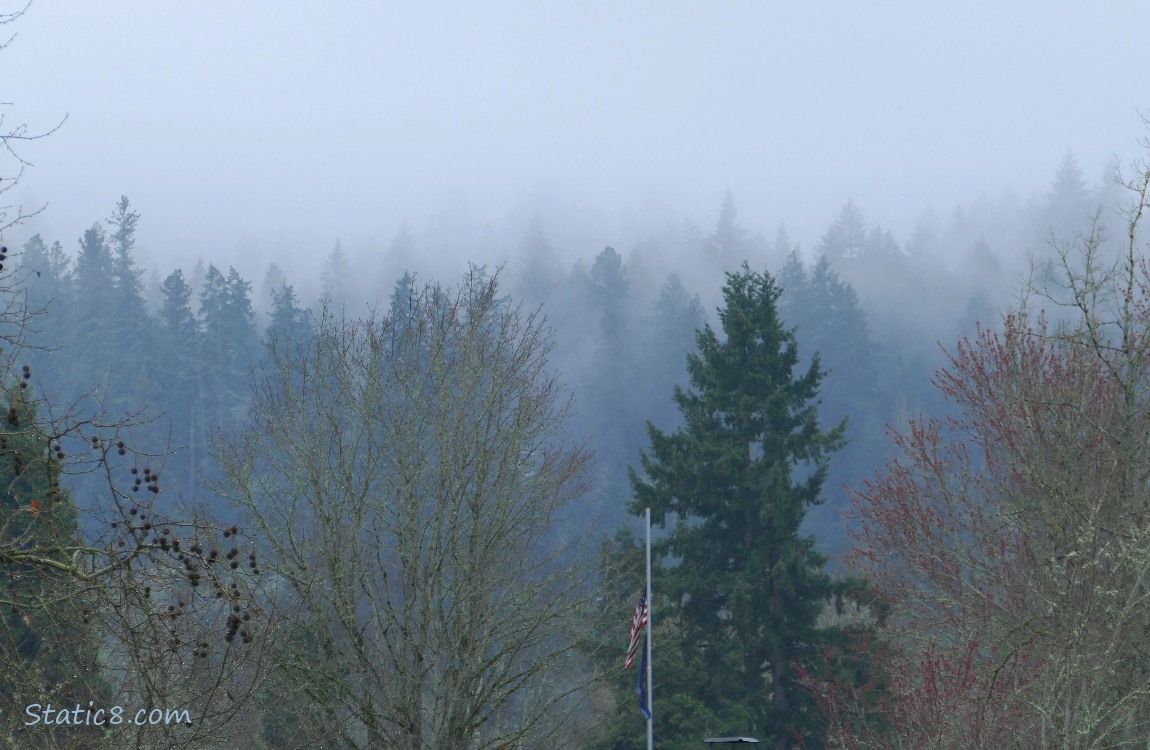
(48, 653)
(176, 317)
(127, 277)
(177, 337)
(90, 326)
(739, 590)
(668, 337)
(288, 320)
(828, 318)
(228, 342)
(608, 294)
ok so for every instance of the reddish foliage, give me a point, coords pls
(978, 538)
(1010, 544)
(955, 697)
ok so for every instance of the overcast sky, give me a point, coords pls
(298, 122)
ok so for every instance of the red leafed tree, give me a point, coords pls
(1011, 543)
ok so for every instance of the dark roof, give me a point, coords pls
(730, 739)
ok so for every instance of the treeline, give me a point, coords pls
(182, 360)
(873, 309)
(186, 355)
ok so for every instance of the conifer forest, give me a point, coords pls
(339, 488)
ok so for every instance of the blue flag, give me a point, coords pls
(643, 706)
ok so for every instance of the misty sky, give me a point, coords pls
(288, 124)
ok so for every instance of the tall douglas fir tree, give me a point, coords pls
(737, 590)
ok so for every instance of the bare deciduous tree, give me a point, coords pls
(111, 599)
(405, 471)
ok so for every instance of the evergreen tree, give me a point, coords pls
(614, 424)
(739, 599)
(845, 240)
(609, 287)
(91, 324)
(924, 240)
(48, 653)
(228, 341)
(177, 320)
(401, 304)
(126, 276)
(241, 317)
(779, 251)
(677, 315)
(669, 336)
(95, 276)
(828, 318)
(402, 296)
(1068, 207)
(728, 242)
(132, 335)
(124, 219)
(47, 281)
(181, 398)
(288, 320)
(51, 270)
(213, 306)
(792, 281)
(882, 248)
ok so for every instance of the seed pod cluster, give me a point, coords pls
(149, 480)
(200, 564)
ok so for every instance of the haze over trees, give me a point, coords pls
(622, 343)
(189, 355)
(362, 505)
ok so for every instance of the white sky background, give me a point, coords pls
(285, 124)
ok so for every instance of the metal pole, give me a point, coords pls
(650, 663)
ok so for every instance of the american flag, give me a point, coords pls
(638, 623)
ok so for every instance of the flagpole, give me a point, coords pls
(650, 664)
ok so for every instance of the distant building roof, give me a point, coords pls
(730, 739)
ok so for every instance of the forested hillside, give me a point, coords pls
(260, 411)
(700, 338)
(874, 307)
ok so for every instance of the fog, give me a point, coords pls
(252, 132)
